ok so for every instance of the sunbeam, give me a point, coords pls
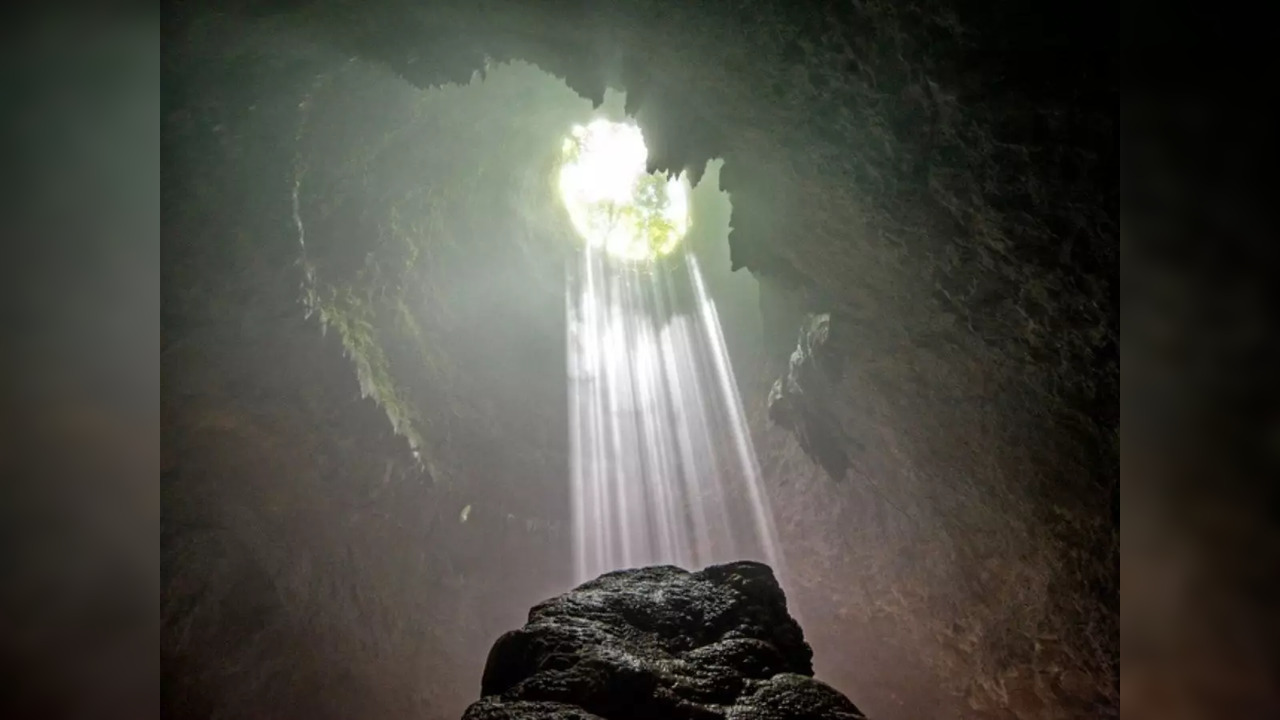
(663, 466)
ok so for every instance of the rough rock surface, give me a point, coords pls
(799, 399)
(938, 175)
(660, 642)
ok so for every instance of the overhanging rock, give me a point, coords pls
(800, 397)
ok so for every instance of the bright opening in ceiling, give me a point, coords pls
(613, 203)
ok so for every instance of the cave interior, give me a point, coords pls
(365, 449)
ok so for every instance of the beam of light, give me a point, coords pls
(745, 446)
(663, 465)
(612, 203)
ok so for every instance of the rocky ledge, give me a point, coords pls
(660, 642)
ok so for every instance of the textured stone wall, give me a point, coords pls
(915, 171)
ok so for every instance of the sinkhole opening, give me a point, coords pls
(613, 204)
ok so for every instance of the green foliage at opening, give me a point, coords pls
(613, 204)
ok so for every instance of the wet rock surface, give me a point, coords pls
(660, 642)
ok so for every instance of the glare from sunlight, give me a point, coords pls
(612, 202)
(663, 468)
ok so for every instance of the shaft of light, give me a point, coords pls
(663, 465)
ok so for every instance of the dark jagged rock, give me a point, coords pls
(660, 642)
(799, 398)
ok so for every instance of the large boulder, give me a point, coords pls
(660, 642)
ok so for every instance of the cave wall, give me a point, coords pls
(886, 164)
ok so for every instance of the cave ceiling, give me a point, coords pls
(936, 185)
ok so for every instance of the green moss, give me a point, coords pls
(354, 317)
(393, 215)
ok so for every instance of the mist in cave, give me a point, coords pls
(651, 385)
(408, 397)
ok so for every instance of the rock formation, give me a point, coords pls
(798, 400)
(938, 176)
(660, 642)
